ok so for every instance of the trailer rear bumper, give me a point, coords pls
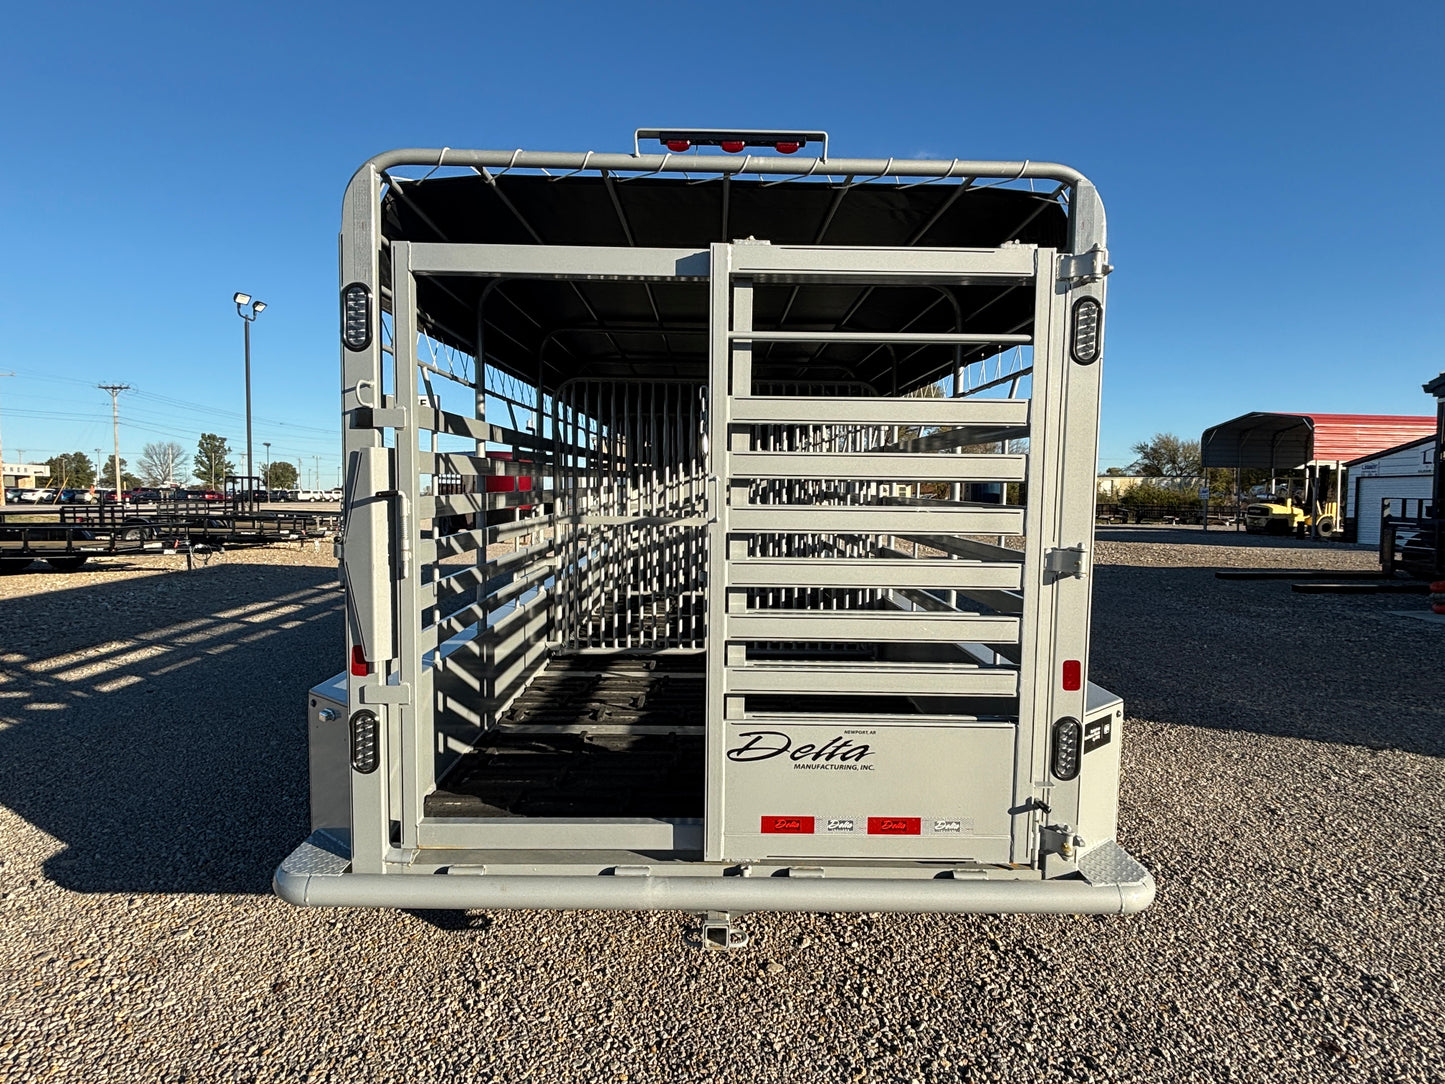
(1109, 882)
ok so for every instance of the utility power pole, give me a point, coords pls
(2, 464)
(115, 390)
(316, 472)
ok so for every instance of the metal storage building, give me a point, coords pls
(1405, 471)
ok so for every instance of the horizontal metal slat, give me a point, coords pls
(870, 519)
(864, 625)
(910, 338)
(887, 466)
(460, 504)
(870, 410)
(461, 425)
(905, 263)
(479, 466)
(968, 548)
(559, 261)
(906, 679)
(901, 572)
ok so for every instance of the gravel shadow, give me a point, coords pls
(156, 725)
(1183, 647)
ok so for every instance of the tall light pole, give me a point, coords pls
(248, 310)
(267, 443)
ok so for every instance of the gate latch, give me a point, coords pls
(1066, 561)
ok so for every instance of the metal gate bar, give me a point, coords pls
(632, 493)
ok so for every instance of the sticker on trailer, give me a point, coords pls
(1097, 733)
(904, 790)
(787, 826)
(839, 753)
(952, 826)
(894, 826)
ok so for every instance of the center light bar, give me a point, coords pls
(731, 140)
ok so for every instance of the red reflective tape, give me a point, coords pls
(359, 666)
(1073, 675)
(894, 826)
(800, 826)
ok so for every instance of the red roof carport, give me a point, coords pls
(1286, 441)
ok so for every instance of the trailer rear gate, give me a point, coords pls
(767, 602)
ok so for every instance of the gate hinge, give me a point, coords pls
(1066, 561)
(1086, 267)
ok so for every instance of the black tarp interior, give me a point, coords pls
(626, 328)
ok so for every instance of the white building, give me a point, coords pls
(22, 474)
(1404, 472)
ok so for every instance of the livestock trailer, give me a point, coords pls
(792, 612)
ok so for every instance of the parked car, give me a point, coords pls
(283, 494)
(78, 496)
(38, 496)
(13, 494)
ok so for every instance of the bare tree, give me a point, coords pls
(159, 462)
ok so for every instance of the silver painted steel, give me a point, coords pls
(329, 886)
(881, 683)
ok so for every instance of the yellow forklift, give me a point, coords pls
(1305, 505)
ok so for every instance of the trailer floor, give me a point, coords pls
(602, 735)
(598, 762)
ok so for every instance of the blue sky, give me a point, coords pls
(1271, 172)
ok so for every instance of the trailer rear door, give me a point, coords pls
(888, 658)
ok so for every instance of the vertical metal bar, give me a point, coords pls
(1038, 680)
(716, 468)
(416, 752)
(360, 245)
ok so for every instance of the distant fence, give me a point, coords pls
(1220, 513)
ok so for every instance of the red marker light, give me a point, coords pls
(359, 666)
(732, 146)
(679, 145)
(786, 147)
(1073, 675)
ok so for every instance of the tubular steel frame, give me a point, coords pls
(804, 501)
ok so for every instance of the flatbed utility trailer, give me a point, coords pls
(792, 610)
(67, 536)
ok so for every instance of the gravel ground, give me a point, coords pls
(1283, 781)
